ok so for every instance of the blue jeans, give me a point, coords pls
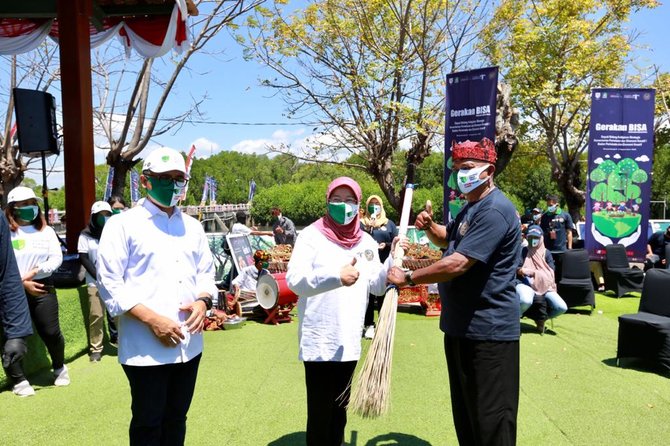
(555, 304)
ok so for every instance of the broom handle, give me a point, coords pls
(399, 253)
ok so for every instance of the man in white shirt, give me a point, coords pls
(156, 273)
(240, 226)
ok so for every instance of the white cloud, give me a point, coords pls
(257, 146)
(278, 138)
(643, 158)
(325, 144)
(598, 160)
(607, 156)
(616, 156)
(204, 148)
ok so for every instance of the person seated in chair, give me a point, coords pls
(536, 276)
(246, 281)
(656, 250)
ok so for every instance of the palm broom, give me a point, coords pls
(370, 396)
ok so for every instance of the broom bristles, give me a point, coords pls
(370, 398)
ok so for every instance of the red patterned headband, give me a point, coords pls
(483, 150)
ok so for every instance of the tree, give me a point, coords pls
(662, 125)
(552, 53)
(660, 180)
(129, 124)
(369, 76)
(527, 177)
(35, 70)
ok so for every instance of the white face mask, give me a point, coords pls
(374, 209)
(468, 179)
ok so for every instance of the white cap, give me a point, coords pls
(100, 206)
(21, 193)
(164, 160)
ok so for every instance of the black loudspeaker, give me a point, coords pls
(36, 122)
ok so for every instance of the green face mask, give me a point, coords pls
(100, 220)
(374, 209)
(116, 211)
(26, 213)
(265, 265)
(165, 192)
(342, 213)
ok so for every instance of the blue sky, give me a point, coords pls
(231, 83)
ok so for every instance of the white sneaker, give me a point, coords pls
(62, 377)
(23, 389)
(369, 332)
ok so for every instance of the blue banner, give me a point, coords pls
(252, 191)
(134, 187)
(108, 187)
(621, 151)
(470, 116)
(212, 190)
(205, 191)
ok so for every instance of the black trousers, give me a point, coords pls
(328, 394)
(558, 264)
(538, 309)
(161, 396)
(370, 310)
(44, 313)
(484, 384)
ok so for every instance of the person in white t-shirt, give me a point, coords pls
(247, 281)
(38, 255)
(333, 267)
(156, 273)
(240, 226)
(87, 246)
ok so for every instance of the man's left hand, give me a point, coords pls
(196, 321)
(279, 230)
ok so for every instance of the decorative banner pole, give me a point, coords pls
(108, 185)
(370, 397)
(205, 191)
(134, 187)
(189, 163)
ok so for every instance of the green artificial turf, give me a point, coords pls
(250, 391)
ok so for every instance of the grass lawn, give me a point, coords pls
(250, 392)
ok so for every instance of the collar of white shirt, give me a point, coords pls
(153, 209)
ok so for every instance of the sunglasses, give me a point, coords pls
(164, 180)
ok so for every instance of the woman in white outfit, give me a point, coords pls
(38, 255)
(333, 268)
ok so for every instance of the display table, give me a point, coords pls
(430, 303)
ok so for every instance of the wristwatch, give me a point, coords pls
(408, 278)
(207, 301)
